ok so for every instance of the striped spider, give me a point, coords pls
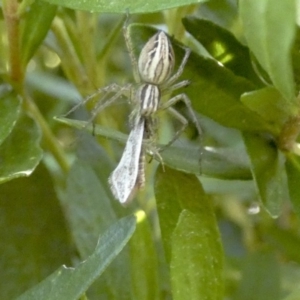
(153, 73)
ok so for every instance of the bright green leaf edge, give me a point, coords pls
(268, 169)
(130, 6)
(71, 283)
(20, 153)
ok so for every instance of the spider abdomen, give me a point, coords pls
(149, 96)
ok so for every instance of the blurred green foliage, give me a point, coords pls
(220, 224)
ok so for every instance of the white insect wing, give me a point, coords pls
(123, 179)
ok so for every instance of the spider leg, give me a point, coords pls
(118, 90)
(186, 100)
(130, 49)
(184, 123)
(173, 78)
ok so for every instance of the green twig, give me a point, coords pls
(10, 11)
(49, 138)
(70, 61)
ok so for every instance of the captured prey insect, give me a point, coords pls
(153, 75)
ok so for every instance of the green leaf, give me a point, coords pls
(239, 189)
(296, 59)
(37, 21)
(270, 104)
(34, 236)
(143, 259)
(270, 29)
(295, 295)
(293, 175)
(224, 13)
(214, 91)
(97, 130)
(223, 46)
(90, 152)
(71, 283)
(175, 192)
(260, 278)
(196, 265)
(87, 207)
(20, 153)
(52, 85)
(10, 107)
(285, 241)
(223, 163)
(132, 6)
(267, 165)
(226, 163)
(89, 210)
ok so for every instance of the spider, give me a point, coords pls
(153, 73)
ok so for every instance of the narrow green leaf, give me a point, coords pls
(132, 6)
(34, 236)
(71, 283)
(89, 210)
(296, 59)
(87, 207)
(223, 163)
(260, 278)
(270, 29)
(20, 153)
(223, 46)
(214, 162)
(10, 107)
(293, 175)
(37, 21)
(52, 85)
(143, 259)
(241, 189)
(267, 165)
(196, 265)
(97, 130)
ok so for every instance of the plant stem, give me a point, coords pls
(50, 139)
(70, 61)
(86, 28)
(11, 15)
(172, 16)
(10, 11)
(289, 134)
